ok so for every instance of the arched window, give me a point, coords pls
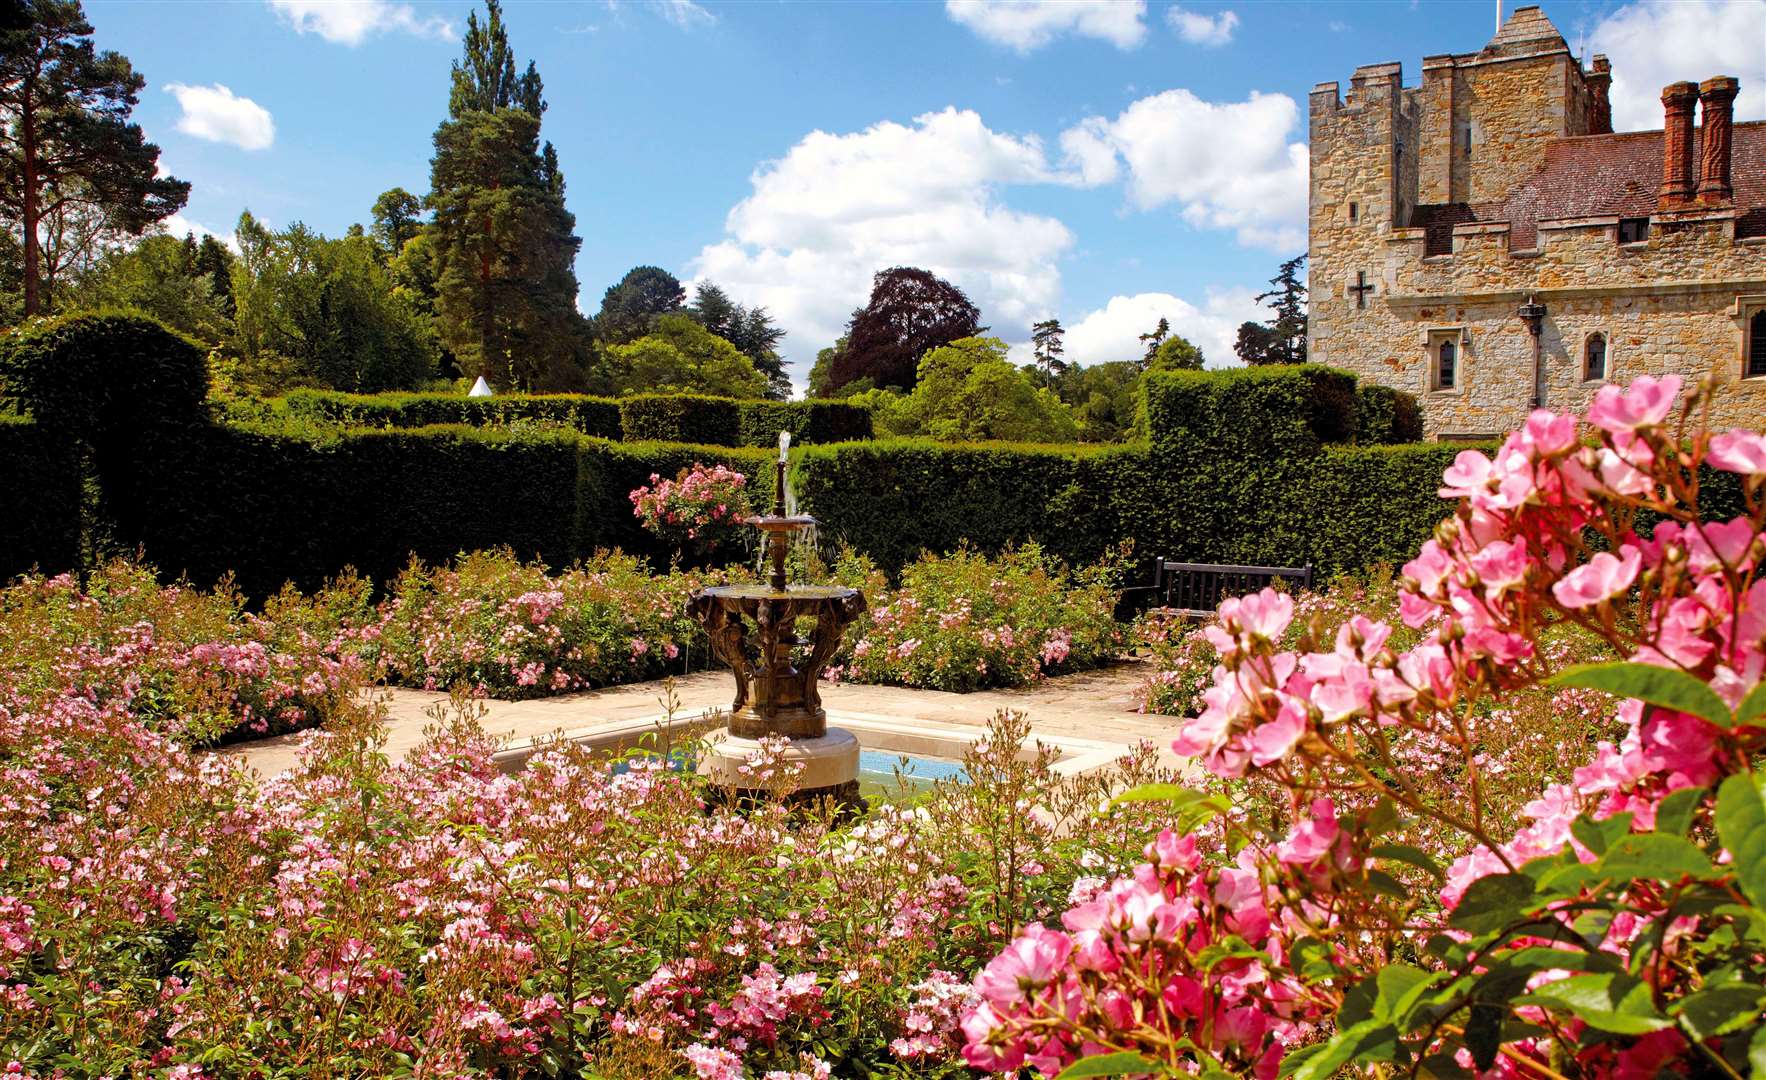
(1757, 344)
(1446, 365)
(1594, 358)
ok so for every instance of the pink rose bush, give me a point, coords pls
(701, 509)
(512, 630)
(1615, 933)
(965, 621)
(203, 668)
(163, 913)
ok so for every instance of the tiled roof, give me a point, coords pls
(1600, 175)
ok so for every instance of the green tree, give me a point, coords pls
(631, 306)
(1103, 400)
(215, 262)
(1282, 340)
(750, 329)
(680, 355)
(968, 390)
(821, 375)
(1175, 353)
(67, 148)
(398, 216)
(323, 311)
(1152, 341)
(1046, 347)
(505, 248)
(164, 277)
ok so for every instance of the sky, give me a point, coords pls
(1106, 163)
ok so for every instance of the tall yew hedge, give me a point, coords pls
(1281, 465)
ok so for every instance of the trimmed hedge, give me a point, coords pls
(687, 418)
(812, 422)
(693, 418)
(589, 415)
(43, 473)
(1266, 411)
(1385, 416)
(1263, 465)
(105, 374)
(894, 498)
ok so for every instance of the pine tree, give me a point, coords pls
(1282, 340)
(750, 329)
(68, 153)
(631, 306)
(1046, 347)
(1155, 339)
(505, 247)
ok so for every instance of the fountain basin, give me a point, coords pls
(753, 629)
(828, 761)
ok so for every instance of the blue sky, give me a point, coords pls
(1106, 163)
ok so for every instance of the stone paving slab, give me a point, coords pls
(1094, 705)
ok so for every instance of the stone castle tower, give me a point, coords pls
(1488, 243)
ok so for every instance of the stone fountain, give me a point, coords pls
(754, 629)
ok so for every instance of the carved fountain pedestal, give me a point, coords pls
(753, 629)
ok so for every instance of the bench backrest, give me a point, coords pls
(1198, 588)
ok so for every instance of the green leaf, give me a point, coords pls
(1608, 1001)
(1400, 986)
(1597, 836)
(1491, 903)
(1674, 815)
(1666, 687)
(1656, 856)
(1122, 1063)
(1484, 1033)
(1370, 1040)
(1741, 826)
(1757, 1055)
(1538, 958)
(1752, 708)
(1410, 856)
(1719, 1010)
(1175, 793)
(1386, 885)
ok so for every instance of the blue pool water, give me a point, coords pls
(877, 773)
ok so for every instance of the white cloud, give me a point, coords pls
(1225, 165)
(685, 13)
(1113, 331)
(838, 208)
(1025, 25)
(1654, 44)
(1199, 29)
(215, 113)
(351, 22)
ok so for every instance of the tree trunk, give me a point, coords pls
(28, 204)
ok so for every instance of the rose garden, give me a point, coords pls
(1481, 801)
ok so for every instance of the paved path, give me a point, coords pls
(1093, 705)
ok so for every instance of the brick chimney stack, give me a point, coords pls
(1600, 81)
(1716, 122)
(1678, 182)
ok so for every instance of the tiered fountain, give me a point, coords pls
(775, 668)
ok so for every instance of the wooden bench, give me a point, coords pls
(1198, 588)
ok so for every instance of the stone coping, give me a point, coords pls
(921, 738)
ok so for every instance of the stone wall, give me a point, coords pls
(1677, 302)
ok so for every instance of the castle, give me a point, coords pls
(1487, 242)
